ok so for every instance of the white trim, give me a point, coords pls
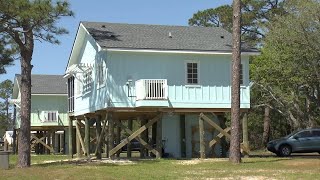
(49, 94)
(193, 86)
(177, 51)
(186, 72)
(78, 37)
(85, 29)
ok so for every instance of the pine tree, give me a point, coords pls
(23, 22)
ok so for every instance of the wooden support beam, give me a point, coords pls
(216, 126)
(159, 139)
(226, 134)
(218, 137)
(111, 137)
(98, 134)
(80, 138)
(101, 137)
(142, 142)
(87, 136)
(129, 144)
(134, 135)
(70, 137)
(78, 143)
(41, 142)
(201, 135)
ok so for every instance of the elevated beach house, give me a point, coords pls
(174, 81)
(49, 108)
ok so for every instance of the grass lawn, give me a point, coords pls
(297, 167)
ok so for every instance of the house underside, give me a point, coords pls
(161, 132)
(46, 139)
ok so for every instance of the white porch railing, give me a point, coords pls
(151, 89)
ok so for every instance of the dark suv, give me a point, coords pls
(303, 141)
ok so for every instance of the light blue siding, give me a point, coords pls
(213, 91)
(41, 103)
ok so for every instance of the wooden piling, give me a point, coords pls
(183, 136)
(129, 155)
(53, 136)
(48, 141)
(245, 135)
(201, 135)
(56, 143)
(87, 136)
(144, 136)
(98, 134)
(159, 139)
(62, 141)
(111, 135)
(118, 138)
(70, 137)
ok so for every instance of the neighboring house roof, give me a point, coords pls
(161, 37)
(46, 84)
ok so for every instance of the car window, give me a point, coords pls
(304, 134)
(316, 133)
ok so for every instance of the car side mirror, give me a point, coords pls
(295, 137)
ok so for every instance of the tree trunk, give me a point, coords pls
(26, 51)
(24, 134)
(235, 88)
(14, 135)
(266, 126)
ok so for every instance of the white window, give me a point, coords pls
(50, 116)
(87, 82)
(192, 72)
(101, 74)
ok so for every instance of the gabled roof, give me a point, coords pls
(46, 84)
(161, 37)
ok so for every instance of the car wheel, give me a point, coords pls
(285, 150)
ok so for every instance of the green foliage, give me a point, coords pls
(21, 23)
(288, 69)
(5, 115)
(20, 17)
(255, 14)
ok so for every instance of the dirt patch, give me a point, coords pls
(88, 161)
(197, 161)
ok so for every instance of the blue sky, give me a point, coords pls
(52, 59)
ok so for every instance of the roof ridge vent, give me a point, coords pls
(170, 35)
